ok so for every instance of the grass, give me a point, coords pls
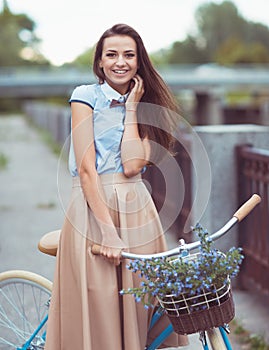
(249, 341)
(3, 161)
(46, 137)
(5, 207)
(49, 141)
(49, 205)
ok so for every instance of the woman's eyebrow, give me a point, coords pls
(113, 50)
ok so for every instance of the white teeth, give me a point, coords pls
(120, 71)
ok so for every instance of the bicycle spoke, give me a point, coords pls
(4, 341)
(23, 305)
(8, 322)
(19, 311)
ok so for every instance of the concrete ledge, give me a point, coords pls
(219, 142)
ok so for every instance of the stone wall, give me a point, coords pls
(215, 175)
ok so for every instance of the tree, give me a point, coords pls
(235, 51)
(86, 58)
(223, 36)
(257, 32)
(160, 57)
(18, 39)
(228, 37)
(187, 51)
(217, 23)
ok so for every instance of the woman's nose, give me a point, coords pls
(120, 60)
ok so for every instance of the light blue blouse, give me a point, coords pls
(108, 126)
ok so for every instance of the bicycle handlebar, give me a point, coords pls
(238, 216)
(246, 208)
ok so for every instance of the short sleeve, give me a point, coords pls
(85, 94)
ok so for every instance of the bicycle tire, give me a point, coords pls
(215, 339)
(24, 300)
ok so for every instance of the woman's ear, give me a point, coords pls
(100, 64)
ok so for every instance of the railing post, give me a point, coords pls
(253, 168)
(241, 196)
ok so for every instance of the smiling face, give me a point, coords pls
(119, 61)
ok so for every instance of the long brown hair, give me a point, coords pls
(156, 91)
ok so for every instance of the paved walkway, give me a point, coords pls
(34, 193)
(29, 201)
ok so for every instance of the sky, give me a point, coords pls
(68, 28)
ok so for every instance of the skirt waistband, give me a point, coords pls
(111, 178)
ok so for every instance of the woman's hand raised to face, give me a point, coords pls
(136, 93)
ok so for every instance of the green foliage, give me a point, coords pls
(18, 40)
(86, 58)
(3, 161)
(223, 36)
(160, 57)
(49, 205)
(257, 32)
(257, 342)
(50, 142)
(235, 51)
(188, 51)
(217, 22)
(250, 341)
(47, 138)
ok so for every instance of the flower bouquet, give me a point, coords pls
(194, 290)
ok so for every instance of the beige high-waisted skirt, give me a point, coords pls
(86, 311)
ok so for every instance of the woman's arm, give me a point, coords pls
(134, 151)
(83, 140)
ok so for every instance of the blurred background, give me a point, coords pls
(190, 42)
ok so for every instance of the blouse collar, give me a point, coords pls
(112, 94)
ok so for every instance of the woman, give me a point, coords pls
(112, 143)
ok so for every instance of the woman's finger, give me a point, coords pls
(140, 84)
(111, 255)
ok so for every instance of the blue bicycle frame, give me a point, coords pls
(27, 345)
(169, 330)
(153, 346)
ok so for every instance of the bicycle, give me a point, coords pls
(25, 296)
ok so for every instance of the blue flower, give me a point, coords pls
(190, 275)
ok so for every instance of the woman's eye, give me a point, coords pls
(130, 55)
(110, 54)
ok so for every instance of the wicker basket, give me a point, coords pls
(200, 312)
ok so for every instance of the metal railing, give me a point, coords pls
(53, 118)
(253, 177)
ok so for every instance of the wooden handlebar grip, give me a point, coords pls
(246, 208)
(96, 249)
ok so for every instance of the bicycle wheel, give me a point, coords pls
(215, 339)
(24, 301)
